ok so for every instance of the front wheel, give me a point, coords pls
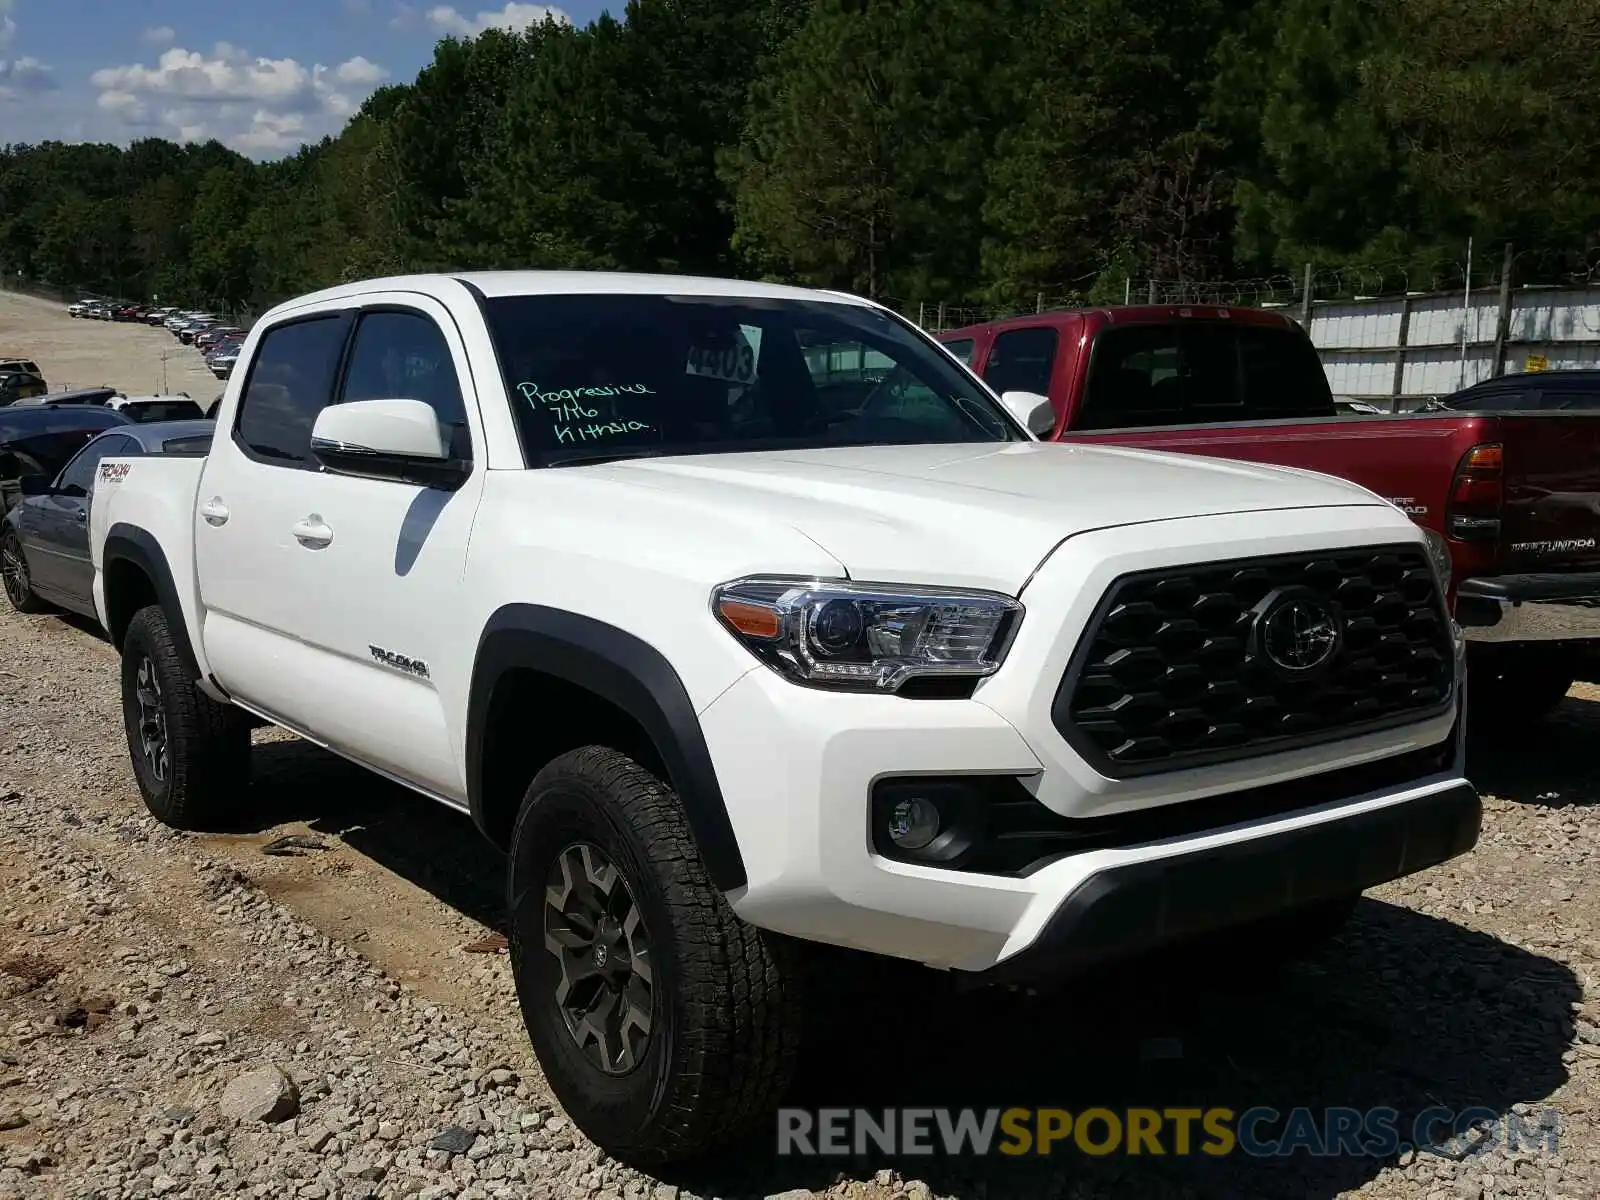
(191, 755)
(14, 569)
(666, 1026)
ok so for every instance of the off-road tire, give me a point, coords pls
(18, 587)
(726, 1012)
(207, 743)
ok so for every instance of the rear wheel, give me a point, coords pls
(666, 1026)
(14, 569)
(191, 755)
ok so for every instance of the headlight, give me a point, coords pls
(1439, 551)
(866, 637)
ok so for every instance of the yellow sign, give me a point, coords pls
(1538, 362)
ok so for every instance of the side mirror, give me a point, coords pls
(34, 485)
(1032, 410)
(400, 440)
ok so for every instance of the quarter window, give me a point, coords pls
(290, 383)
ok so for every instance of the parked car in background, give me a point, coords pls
(222, 360)
(1539, 391)
(39, 441)
(17, 385)
(1516, 495)
(209, 338)
(95, 395)
(44, 539)
(194, 329)
(24, 365)
(159, 316)
(76, 309)
(158, 408)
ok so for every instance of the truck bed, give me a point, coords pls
(1551, 518)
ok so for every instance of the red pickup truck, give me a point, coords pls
(1515, 493)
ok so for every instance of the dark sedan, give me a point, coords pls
(44, 544)
(39, 441)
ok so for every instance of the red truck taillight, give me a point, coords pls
(1476, 494)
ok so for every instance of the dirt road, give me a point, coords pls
(143, 972)
(136, 359)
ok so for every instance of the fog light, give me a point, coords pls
(913, 823)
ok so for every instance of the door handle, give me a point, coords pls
(214, 511)
(312, 533)
(81, 515)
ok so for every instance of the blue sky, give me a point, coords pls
(263, 76)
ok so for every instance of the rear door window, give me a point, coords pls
(1196, 374)
(1022, 360)
(291, 381)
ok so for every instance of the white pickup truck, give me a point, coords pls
(747, 620)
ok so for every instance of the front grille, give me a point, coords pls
(1187, 666)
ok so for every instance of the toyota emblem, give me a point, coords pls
(1300, 635)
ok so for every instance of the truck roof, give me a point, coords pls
(1131, 314)
(537, 283)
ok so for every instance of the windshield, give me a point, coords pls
(601, 376)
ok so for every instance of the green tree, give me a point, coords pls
(1113, 166)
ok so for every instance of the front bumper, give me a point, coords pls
(801, 813)
(1501, 609)
(1146, 905)
(1193, 849)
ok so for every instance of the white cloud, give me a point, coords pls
(8, 25)
(160, 35)
(258, 105)
(19, 76)
(514, 17)
(360, 72)
(404, 19)
(358, 8)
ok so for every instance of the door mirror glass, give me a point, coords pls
(400, 440)
(1032, 410)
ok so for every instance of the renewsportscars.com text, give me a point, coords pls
(1259, 1132)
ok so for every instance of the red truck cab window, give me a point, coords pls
(1201, 373)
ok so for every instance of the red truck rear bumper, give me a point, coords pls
(1530, 608)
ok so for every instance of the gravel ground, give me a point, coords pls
(191, 1016)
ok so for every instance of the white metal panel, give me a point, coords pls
(1555, 316)
(1372, 325)
(1437, 320)
(1558, 357)
(1360, 374)
(1438, 371)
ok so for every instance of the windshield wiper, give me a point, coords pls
(604, 456)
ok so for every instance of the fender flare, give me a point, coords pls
(129, 543)
(624, 671)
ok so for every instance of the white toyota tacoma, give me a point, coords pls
(747, 620)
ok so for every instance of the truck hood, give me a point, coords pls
(968, 515)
